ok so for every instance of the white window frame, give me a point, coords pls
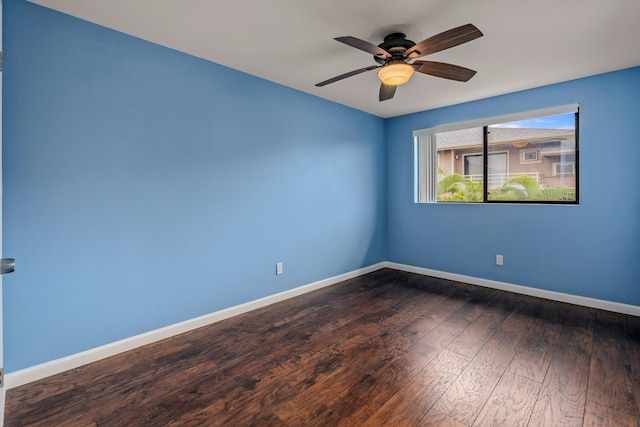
(554, 165)
(523, 153)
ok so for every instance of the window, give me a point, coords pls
(564, 168)
(527, 157)
(473, 164)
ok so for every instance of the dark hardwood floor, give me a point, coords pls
(386, 349)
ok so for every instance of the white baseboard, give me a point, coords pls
(24, 376)
(617, 307)
(34, 373)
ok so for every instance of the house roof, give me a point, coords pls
(565, 138)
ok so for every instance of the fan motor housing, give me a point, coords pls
(396, 44)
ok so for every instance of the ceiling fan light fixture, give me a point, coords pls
(395, 73)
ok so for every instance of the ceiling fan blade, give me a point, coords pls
(387, 91)
(345, 75)
(445, 40)
(446, 71)
(364, 45)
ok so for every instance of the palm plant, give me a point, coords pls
(457, 188)
(521, 187)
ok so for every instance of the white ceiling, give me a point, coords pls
(526, 43)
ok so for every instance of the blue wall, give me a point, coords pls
(591, 250)
(143, 187)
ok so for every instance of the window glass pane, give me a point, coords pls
(460, 165)
(537, 161)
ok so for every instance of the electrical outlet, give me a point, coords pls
(499, 260)
(279, 268)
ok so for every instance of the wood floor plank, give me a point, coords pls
(61, 406)
(307, 372)
(334, 396)
(469, 392)
(610, 380)
(534, 354)
(633, 340)
(597, 415)
(448, 330)
(386, 348)
(564, 390)
(436, 418)
(157, 401)
(511, 402)
(411, 403)
(472, 339)
(367, 396)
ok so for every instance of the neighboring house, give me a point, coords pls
(548, 155)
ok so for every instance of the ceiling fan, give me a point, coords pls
(396, 55)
